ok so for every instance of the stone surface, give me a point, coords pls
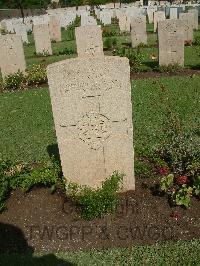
(89, 41)
(138, 31)
(124, 22)
(21, 31)
(188, 21)
(42, 39)
(105, 17)
(173, 13)
(150, 12)
(88, 20)
(12, 56)
(171, 42)
(54, 29)
(158, 16)
(91, 102)
(195, 18)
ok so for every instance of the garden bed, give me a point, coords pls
(49, 222)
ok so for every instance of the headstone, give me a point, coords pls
(21, 31)
(158, 16)
(124, 22)
(89, 41)
(188, 21)
(171, 42)
(54, 29)
(173, 13)
(42, 39)
(138, 31)
(88, 21)
(195, 18)
(105, 17)
(91, 102)
(150, 11)
(12, 56)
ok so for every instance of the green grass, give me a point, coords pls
(191, 53)
(184, 253)
(27, 127)
(184, 93)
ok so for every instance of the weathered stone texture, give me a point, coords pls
(12, 56)
(138, 31)
(42, 39)
(54, 29)
(91, 102)
(89, 41)
(171, 42)
(158, 16)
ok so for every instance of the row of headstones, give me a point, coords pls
(92, 109)
(89, 40)
(91, 102)
(124, 15)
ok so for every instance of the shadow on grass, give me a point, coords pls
(151, 64)
(53, 151)
(15, 250)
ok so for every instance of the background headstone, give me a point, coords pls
(138, 31)
(89, 41)
(54, 29)
(12, 56)
(171, 42)
(195, 21)
(188, 21)
(42, 39)
(158, 16)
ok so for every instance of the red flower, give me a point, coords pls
(182, 180)
(163, 170)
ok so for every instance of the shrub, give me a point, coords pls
(110, 43)
(96, 202)
(36, 75)
(108, 33)
(170, 68)
(135, 57)
(67, 51)
(13, 81)
(25, 176)
(44, 54)
(197, 40)
(181, 152)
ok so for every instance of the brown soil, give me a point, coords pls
(154, 74)
(42, 221)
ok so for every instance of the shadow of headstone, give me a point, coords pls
(14, 250)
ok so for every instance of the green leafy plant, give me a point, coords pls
(96, 202)
(13, 81)
(169, 69)
(167, 182)
(67, 51)
(181, 153)
(110, 43)
(134, 55)
(25, 176)
(36, 75)
(197, 40)
(182, 195)
(44, 54)
(106, 32)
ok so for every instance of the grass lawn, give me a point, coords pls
(27, 127)
(68, 42)
(182, 253)
(27, 132)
